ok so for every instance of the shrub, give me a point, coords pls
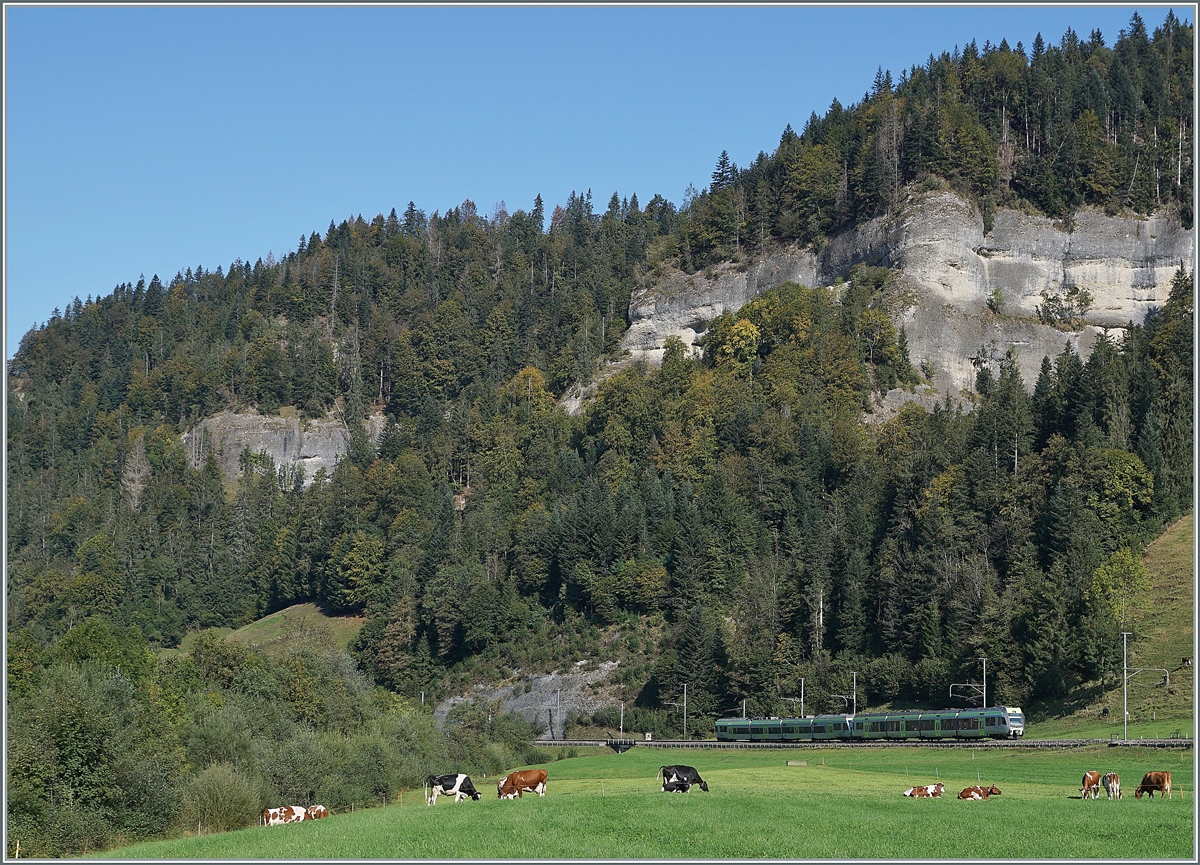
(220, 798)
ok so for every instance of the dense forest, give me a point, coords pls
(730, 522)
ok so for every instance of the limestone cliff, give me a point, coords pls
(947, 268)
(311, 444)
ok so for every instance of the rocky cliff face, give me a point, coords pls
(310, 444)
(546, 700)
(947, 269)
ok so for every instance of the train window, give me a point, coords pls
(990, 722)
(741, 731)
(927, 724)
(1003, 723)
(968, 723)
(858, 725)
(893, 726)
(911, 726)
(876, 727)
(819, 729)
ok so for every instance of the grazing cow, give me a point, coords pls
(1187, 662)
(930, 791)
(1091, 785)
(686, 775)
(1151, 781)
(1104, 714)
(1112, 785)
(974, 793)
(317, 812)
(517, 783)
(286, 814)
(459, 786)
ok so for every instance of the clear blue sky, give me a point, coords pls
(149, 140)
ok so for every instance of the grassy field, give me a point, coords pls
(844, 803)
(1163, 635)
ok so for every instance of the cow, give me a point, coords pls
(515, 785)
(930, 791)
(975, 793)
(685, 775)
(1091, 785)
(676, 787)
(459, 786)
(1151, 781)
(1187, 663)
(317, 812)
(1112, 785)
(286, 814)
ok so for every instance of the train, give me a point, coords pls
(995, 722)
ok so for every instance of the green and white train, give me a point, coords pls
(996, 722)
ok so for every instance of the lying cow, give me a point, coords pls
(930, 791)
(286, 814)
(975, 793)
(1091, 785)
(1112, 785)
(459, 786)
(519, 782)
(1151, 781)
(681, 776)
(317, 812)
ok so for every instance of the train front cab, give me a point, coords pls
(733, 729)
(1016, 721)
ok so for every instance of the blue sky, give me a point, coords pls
(149, 140)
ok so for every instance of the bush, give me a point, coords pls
(220, 798)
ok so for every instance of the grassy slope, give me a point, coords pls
(274, 631)
(1162, 637)
(845, 803)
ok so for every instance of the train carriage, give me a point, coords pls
(1000, 722)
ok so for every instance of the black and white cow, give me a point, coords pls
(679, 779)
(459, 786)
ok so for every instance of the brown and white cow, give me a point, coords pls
(1112, 785)
(286, 814)
(517, 783)
(975, 793)
(1151, 781)
(317, 812)
(1091, 785)
(932, 791)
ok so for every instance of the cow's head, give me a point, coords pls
(704, 786)
(993, 790)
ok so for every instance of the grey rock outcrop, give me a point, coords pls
(294, 443)
(544, 701)
(682, 305)
(947, 269)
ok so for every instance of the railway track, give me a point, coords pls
(625, 744)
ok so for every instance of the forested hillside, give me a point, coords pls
(730, 519)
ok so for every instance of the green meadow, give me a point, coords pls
(844, 803)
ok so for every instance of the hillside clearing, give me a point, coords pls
(1162, 636)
